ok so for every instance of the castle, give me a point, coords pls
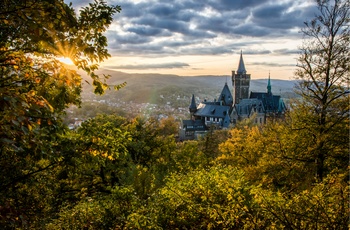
(228, 110)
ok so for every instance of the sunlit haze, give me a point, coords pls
(193, 37)
(65, 60)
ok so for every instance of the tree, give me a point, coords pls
(35, 88)
(272, 156)
(211, 198)
(323, 71)
(324, 206)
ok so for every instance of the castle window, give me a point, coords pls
(189, 133)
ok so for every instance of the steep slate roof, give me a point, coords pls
(193, 106)
(226, 121)
(241, 68)
(212, 110)
(245, 106)
(226, 96)
(272, 103)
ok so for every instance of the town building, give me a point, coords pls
(231, 108)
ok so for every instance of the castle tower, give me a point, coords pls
(240, 82)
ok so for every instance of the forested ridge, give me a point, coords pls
(121, 173)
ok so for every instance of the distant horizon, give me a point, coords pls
(101, 69)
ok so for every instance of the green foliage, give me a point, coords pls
(210, 141)
(325, 206)
(214, 198)
(188, 157)
(99, 160)
(114, 173)
(35, 88)
(99, 212)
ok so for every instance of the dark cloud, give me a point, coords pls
(255, 52)
(236, 4)
(147, 31)
(272, 64)
(173, 65)
(195, 27)
(250, 30)
(277, 16)
(163, 10)
(130, 38)
(286, 51)
(207, 50)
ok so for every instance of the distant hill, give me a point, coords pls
(158, 88)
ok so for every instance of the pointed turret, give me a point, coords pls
(269, 92)
(226, 96)
(193, 106)
(241, 67)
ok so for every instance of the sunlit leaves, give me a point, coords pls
(216, 198)
(325, 206)
(105, 138)
(35, 89)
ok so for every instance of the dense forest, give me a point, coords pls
(130, 173)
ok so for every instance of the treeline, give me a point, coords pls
(114, 173)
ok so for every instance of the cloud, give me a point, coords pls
(173, 65)
(142, 30)
(206, 27)
(272, 64)
(286, 51)
(277, 17)
(236, 4)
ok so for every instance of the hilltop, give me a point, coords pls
(162, 88)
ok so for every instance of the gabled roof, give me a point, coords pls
(241, 68)
(271, 102)
(226, 121)
(226, 96)
(210, 110)
(246, 106)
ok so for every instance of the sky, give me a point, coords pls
(206, 37)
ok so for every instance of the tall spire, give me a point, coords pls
(241, 67)
(193, 106)
(269, 85)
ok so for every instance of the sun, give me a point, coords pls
(66, 60)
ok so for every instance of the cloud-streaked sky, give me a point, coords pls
(205, 37)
